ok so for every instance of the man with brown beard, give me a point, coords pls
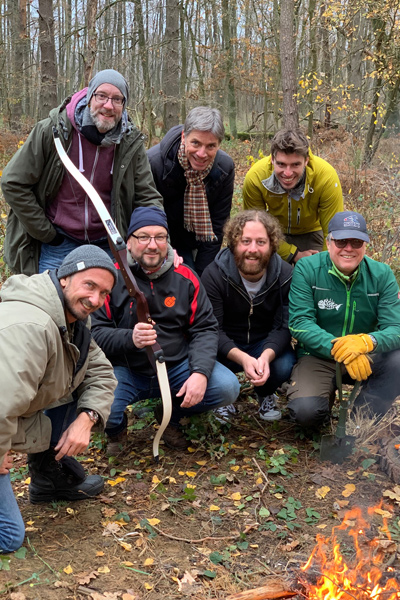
(248, 285)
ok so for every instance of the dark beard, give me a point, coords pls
(257, 268)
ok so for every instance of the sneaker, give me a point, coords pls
(224, 414)
(268, 410)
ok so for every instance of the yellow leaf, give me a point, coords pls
(148, 586)
(3, 215)
(104, 569)
(127, 563)
(30, 522)
(236, 496)
(115, 481)
(126, 546)
(322, 526)
(68, 570)
(322, 491)
(153, 521)
(259, 481)
(279, 496)
(191, 486)
(190, 449)
(201, 463)
(27, 481)
(349, 488)
(191, 473)
(181, 472)
(172, 479)
(148, 562)
(214, 507)
(235, 468)
(100, 553)
(155, 479)
(70, 511)
(385, 513)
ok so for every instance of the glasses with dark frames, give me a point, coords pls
(356, 244)
(161, 238)
(103, 98)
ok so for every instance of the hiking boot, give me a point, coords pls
(115, 443)
(224, 414)
(60, 480)
(173, 436)
(268, 410)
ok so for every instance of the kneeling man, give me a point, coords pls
(344, 307)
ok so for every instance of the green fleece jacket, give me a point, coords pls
(322, 306)
(33, 177)
(38, 367)
(321, 200)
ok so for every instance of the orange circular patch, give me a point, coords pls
(170, 301)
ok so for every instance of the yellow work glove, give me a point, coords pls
(359, 368)
(346, 348)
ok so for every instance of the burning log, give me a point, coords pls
(276, 588)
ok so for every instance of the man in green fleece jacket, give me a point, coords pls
(343, 307)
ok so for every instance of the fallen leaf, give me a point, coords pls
(71, 511)
(148, 562)
(191, 473)
(155, 479)
(116, 481)
(236, 496)
(322, 492)
(172, 479)
(201, 463)
(129, 597)
(259, 481)
(17, 596)
(126, 546)
(100, 553)
(85, 578)
(103, 570)
(111, 528)
(148, 586)
(214, 507)
(349, 489)
(384, 513)
(68, 570)
(153, 521)
(291, 546)
(235, 468)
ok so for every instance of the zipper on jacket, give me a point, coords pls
(289, 221)
(152, 288)
(298, 216)
(248, 320)
(353, 316)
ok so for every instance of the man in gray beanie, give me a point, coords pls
(50, 214)
(49, 359)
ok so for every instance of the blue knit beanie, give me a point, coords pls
(145, 216)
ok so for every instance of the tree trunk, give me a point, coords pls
(170, 73)
(48, 82)
(229, 78)
(91, 41)
(288, 66)
(145, 69)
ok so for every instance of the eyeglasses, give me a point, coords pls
(102, 99)
(356, 244)
(161, 238)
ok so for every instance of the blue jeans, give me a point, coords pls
(280, 368)
(12, 529)
(222, 389)
(51, 257)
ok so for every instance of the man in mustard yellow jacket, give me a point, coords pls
(301, 190)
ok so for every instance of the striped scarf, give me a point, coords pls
(196, 215)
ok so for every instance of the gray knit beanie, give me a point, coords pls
(86, 257)
(108, 76)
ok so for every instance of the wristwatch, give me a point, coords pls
(373, 338)
(92, 414)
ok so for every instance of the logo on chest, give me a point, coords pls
(328, 304)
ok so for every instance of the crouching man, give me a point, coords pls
(183, 325)
(343, 307)
(49, 360)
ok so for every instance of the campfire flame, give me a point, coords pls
(364, 576)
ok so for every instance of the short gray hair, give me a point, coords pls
(204, 118)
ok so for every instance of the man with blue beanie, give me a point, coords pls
(183, 324)
(50, 213)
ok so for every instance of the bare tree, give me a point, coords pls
(288, 66)
(170, 73)
(48, 65)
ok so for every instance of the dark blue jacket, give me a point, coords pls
(171, 183)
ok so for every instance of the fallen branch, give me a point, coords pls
(207, 538)
(274, 589)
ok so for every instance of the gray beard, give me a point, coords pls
(102, 127)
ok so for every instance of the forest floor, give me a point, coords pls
(246, 502)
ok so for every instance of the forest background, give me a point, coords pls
(331, 67)
(249, 498)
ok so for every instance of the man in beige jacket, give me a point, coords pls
(49, 360)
